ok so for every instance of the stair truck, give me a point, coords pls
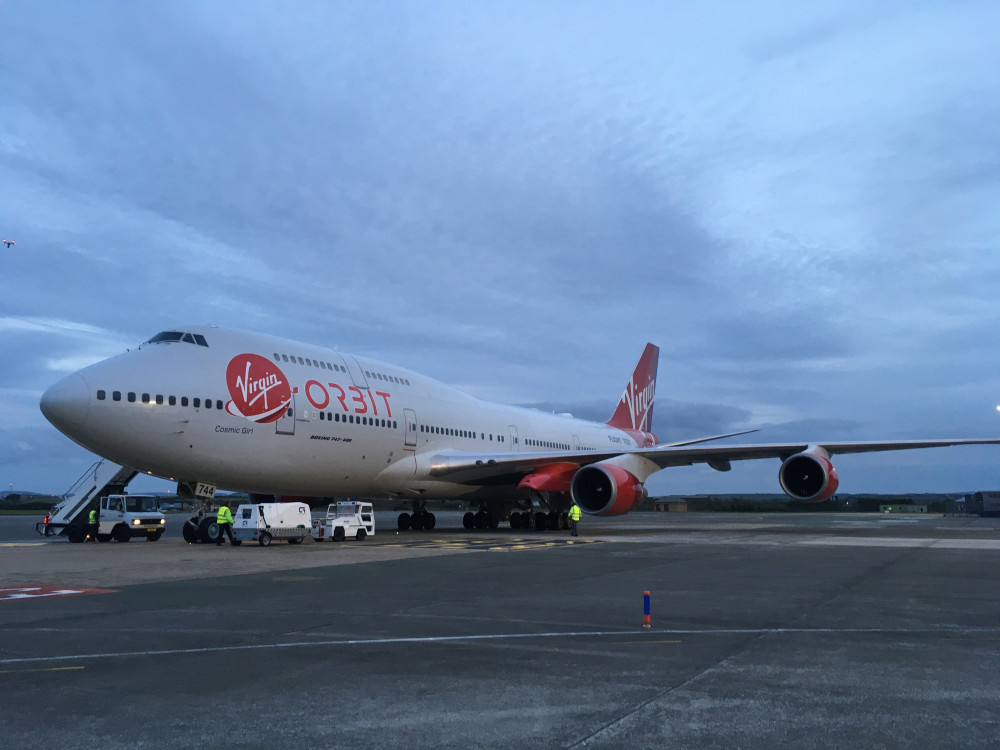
(70, 516)
(346, 519)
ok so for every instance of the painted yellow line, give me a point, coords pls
(50, 669)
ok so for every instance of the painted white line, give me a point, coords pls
(944, 631)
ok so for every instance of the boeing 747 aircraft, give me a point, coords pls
(277, 418)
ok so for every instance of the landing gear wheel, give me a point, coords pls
(339, 534)
(76, 534)
(189, 532)
(515, 520)
(417, 521)
(121, 533)
(360, 536)
(208, 531)
(403, 522)
(491, 521)
(429, 521)
(481, 520)
(553, 520)
(151, 537)
(469, 520)
(264, 540)
(541, 521)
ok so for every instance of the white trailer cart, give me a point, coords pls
(347, 519)
(262, 522)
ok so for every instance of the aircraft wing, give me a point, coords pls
(487, 468)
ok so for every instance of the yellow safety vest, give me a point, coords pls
(93, 517)
(225, 515)
(575, 513)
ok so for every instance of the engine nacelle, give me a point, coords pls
(606, 490)
(808, 476)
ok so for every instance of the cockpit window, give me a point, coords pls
(165, 336)
(170, 336)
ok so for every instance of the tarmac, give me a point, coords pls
(774, 630)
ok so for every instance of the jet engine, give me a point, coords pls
(808, 476)
(606, 490)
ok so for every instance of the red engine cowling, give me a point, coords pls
(606, 490)
(808, 476)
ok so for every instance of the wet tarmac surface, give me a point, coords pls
(788, 631)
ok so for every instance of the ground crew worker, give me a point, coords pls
(225, 521)
(574, 516)
(92, 525)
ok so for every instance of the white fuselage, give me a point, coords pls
(354, 426)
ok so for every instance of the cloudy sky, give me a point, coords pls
(798, 202)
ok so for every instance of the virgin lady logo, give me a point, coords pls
(259, 388)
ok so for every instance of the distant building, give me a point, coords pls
(670, 506)
(983, 503)
(902, 508)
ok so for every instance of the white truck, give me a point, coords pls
(348, 518)
(121, 517)
(263, 522)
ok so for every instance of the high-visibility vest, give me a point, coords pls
(225, 515)
(575, 513)
(93, 516)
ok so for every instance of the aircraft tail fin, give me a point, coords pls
(635, 409)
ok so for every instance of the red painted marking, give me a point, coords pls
(10, 593)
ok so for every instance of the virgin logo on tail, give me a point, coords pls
(259, 388)
(635, 408)
(639, 403)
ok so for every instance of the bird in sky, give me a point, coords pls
(7, 242)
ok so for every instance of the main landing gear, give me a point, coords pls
(419, 520)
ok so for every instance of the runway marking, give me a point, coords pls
(23, 544)
(293, 579)
(10, 593)
(44, 669)
(950, 632)
(633, 643)
(493, 545)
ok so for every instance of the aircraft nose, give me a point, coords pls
(67, 403)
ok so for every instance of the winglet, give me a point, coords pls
(635, 409)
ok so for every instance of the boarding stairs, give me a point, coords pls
(102, 478)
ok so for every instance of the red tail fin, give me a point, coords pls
(635, 410)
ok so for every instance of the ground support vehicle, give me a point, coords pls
(264, 522)
(122, 517)
(347, 519)
(71, 515)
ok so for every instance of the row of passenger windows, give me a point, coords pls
(197, 403)
(337, 368)
(546, 444)
(310, 362)
(458, 433)
(145, 398)
(352, 419)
